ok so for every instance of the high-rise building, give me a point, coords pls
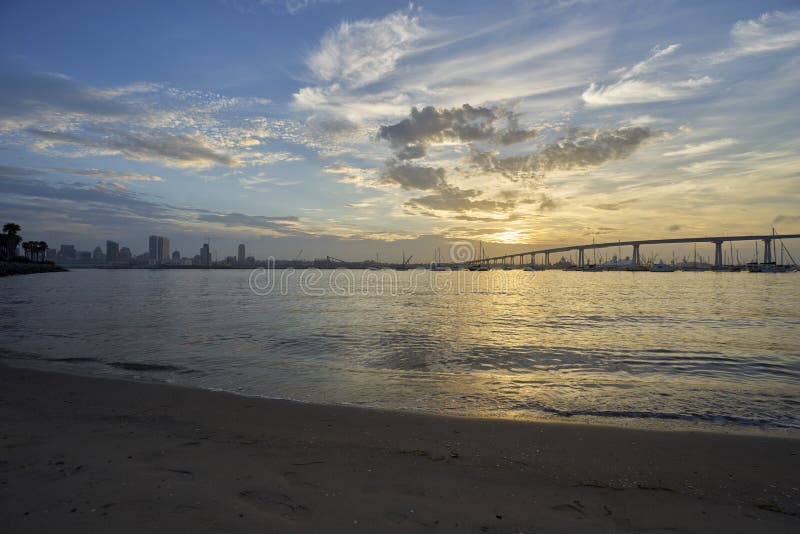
(152, 248)
(164, 250)
(125, 254)
(158, 248)
(241, 257)
(176, 256)
(112, 251)
(205, 255)
(98, 255)
(67, 252)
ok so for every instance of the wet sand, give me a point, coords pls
(84, 454)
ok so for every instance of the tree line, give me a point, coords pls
(10, 240)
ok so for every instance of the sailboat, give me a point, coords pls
(436, 264)
(694, 266)
(404, 266)
(480, 266)
(770, 267)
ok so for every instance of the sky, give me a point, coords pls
(352, 128)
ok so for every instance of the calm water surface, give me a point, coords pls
(630, 347)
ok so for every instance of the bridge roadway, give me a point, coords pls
(635, 256)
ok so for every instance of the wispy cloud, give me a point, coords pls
(702, 148)
(638, 84)
(109, 174)
(179, 150)
(361, 52)
(771, 32)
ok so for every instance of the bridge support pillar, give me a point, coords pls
(580, 257)
(717, 253)
(635, 257)
(547, 259)
(768, 251)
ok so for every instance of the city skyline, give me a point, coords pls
(390, 128)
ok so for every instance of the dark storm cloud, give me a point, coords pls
(147, 145)
(579, 149)
(413, 176)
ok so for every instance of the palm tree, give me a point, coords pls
(42, 250)
(11, 228)
(9, 240)
(26, 246)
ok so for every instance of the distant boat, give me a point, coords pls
(662, 267)
(768, 268)
(726, 268)
(436, 263)
(529, 268)
(404, 266)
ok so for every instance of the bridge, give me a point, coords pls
(635, 256)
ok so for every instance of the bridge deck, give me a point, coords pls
(590, 246)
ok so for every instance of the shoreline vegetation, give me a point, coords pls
(11, 263)
(11, 268)
(92, 454)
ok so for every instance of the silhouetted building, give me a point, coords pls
(125, 254)
(67, 252)
(176, 256)
(98, 255)
(205, 255)
(241, 256)
(112, 251)
(84, 255)
(158, 249)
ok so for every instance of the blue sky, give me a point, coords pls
(289, 125)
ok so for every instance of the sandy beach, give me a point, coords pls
(96, 455)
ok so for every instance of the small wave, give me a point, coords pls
(633, 414)
(137, 366)
(72, 360)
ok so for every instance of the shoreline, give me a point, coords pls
(98, 453)
(17, 268)
(680, 423)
